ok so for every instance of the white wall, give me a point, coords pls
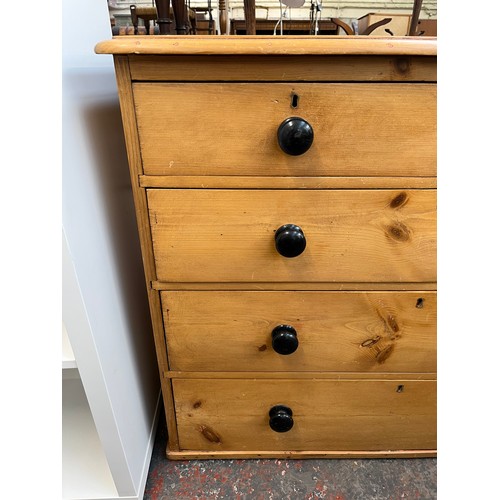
(101, 233)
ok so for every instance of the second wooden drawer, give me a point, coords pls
(371, 235)
(326, 331)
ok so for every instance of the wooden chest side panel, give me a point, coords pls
(328, 415)
(352, 235)
(337, 331)
(231, 129)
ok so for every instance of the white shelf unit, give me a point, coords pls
(86, 471)
(68, 356)
(110, 379)
(105, 455)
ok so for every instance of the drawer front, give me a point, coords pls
(231, 129)
(326, 414)
(351, 235)
(301, 331)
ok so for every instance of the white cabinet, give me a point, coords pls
(103, 456)
(68, 356)
(111, 384)
(85, 467)
(86, 471)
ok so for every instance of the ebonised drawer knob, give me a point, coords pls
(295, 136)
(290, 240)
(285, 339)
(280, 418)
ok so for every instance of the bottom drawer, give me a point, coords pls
(364, 415)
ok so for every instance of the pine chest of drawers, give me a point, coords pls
(285, 193)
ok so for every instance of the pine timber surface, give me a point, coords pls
(313, 286)
(330, 375)
(140, 202)
(352, 415)
(359, 129)
(385, 239)
(269, 45)
(337, 331)
(295, 455)
(327, 68)
(251, 182)
(352, 235)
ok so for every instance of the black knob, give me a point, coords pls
(285, 339)
(290, 240)
(295, 136)
(280, 418)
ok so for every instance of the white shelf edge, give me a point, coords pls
(68, 365)
(85, 470)
(68, 357)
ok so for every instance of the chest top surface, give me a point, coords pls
(268, 45)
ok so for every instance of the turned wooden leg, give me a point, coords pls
(133, 16)
(180, 15)
(249, 6)
(223, 17)
(417, 7)
(164, 21)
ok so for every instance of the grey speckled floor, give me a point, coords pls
(375, 479)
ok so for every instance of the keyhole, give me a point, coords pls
(420, 303)
(295, 100)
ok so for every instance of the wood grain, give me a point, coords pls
(211, 186)
(290, 68)
(295, 455)
(337, 331)
(401, 376)
(269, 45)
(359, 129)
(357, 415)
(248, 182)
(352, 235)
(140, 203)
(295, 285)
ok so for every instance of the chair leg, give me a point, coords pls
(134, 18)
(250, 23)
(163, 10)
(417, 7)
(180, 15)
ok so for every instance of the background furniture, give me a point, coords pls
(293, 27)
(147, 14)
(367, 30)
(427, 27)
(399, 24)
(290, 257)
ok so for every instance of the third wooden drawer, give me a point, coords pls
(330, 331)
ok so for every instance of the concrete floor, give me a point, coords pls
(367, 479)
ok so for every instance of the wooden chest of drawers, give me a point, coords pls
(285, 193)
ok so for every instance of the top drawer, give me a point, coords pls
(360, 129)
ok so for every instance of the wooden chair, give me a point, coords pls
(147, 14)
(180, 15)
(417, 7)
(367, 31)
(185, 22)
